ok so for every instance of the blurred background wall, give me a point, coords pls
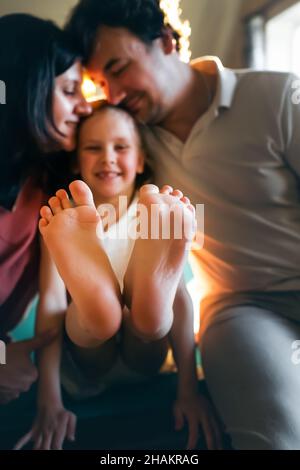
(234, 30)
(213, 22)
(56, 10)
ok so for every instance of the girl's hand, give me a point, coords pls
(197, 411)
(51, 427)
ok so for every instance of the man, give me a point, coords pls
(230, 140)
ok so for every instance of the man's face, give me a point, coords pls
(131, 73)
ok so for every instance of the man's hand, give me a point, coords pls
(19, 373)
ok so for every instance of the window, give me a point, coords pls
(282, 41)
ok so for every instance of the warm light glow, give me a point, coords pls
(198, 287)
(91, 91)
(88, 87)
(173, 13)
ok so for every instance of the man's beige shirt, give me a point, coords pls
(242, 161)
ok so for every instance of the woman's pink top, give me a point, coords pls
(19, 256)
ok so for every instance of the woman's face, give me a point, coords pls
(69, 106)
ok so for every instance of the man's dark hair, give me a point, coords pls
(143, 18)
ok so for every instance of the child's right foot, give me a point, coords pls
(156, 264)
(69, 232)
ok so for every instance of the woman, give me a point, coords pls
(44, 103)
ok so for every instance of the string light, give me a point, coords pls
(173, 13)
(91, 91)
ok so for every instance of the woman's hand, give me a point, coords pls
(19, 372)
(51, 427)
(197, 411)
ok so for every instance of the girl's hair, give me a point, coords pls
(32, 53)
(147, 174)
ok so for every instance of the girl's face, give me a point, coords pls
(110, 155)
(68, 106)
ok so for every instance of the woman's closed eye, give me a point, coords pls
(72, 88)
(70, 92)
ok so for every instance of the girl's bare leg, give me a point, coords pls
(69, 231)
(144, 357)
(94, 358)
(156, 264)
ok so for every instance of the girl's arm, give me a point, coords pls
(183, 343)
(191, 405)
(50, 314)
(53, 423)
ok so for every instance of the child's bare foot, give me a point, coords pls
(69, 231)
(156, 265)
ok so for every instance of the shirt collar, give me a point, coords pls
(227, 80)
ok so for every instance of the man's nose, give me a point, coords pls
(115, 93)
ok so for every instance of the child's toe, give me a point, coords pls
(81, 193)
(42, 224)
(55, 205)
(46, 213)
(149, 189)
(64, 199)
(185, 200)
(166, 189)
(177, 193)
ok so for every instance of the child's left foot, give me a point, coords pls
(157, 263)
(70, 233)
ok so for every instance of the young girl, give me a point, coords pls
(128, 298)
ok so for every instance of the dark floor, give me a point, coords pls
(128, 417)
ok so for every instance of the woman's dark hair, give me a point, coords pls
(143, 18)
(32, 53)
(147, 175)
